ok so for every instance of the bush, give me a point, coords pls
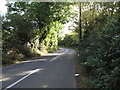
(70, 40)
(7, 61)
(100, 53)
(26, 52)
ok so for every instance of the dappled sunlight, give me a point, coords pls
(45, 86)
(34, 60)
(5, 79)
(27, 72)
(57, 53)
(52, 54)
(34, 34)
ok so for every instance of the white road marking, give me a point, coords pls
(36, 70)
(58, 56)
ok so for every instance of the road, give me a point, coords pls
(53, 70)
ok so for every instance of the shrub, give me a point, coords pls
(100, 53)
(26, 51)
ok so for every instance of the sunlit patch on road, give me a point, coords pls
(30, 73)
(45, 86)
(4, 79)
(34, 60)
(52, 54)
(27, 72)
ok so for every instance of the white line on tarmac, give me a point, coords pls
(58, 56)
(36, 70)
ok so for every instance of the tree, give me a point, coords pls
(31, 24)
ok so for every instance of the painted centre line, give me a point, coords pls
(58, 56)
(34, 71)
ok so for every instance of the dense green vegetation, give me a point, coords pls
(30, 29)
(100, 45)
(100, 53)
(70, 40)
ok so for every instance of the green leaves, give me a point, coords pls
(100, 52)
(34, 25)
(70, 40)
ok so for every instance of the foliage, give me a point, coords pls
(52, 37)
(100, 54)
(70, 40)
(100, 46)
(31, 28)
(7, 61)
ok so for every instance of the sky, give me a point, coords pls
(65, 30)
(3, 8)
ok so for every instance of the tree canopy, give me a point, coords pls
(29, 24)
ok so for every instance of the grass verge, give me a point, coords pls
(82, 79)
(7, 61)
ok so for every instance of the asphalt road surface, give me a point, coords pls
(54, 70)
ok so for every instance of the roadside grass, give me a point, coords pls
(82, 79)
(8, 61)
(52, 50)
